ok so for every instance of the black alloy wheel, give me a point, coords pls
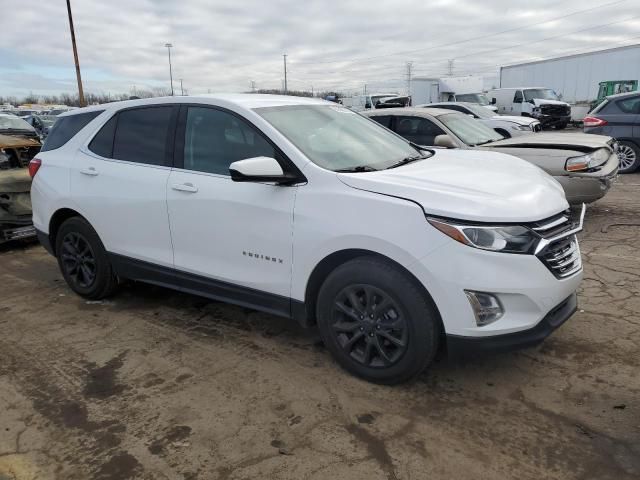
(78, 260)
(370, 327)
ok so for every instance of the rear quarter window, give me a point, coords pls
(66, 128)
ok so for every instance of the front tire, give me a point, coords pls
(629, 156)
(376, 322)
(83, 260)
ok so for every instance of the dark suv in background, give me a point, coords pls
(618, 116)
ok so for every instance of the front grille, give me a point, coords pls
(559, 110)
(558, 249)
(553, 226)
(562, 257)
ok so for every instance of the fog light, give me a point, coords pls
(486, 307)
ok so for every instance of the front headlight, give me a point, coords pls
(524, 128)
(508, 239)
(588, 161)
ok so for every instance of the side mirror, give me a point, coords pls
(259, 169)
(493, 101)
(445, 141)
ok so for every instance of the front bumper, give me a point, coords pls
(589, 186)
(459, 346)
(529, 287)
(552, 120)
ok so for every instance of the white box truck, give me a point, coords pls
(449, 89)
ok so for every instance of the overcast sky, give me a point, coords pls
(223, 46)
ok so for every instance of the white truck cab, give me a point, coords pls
(304, 209)
(538, 102)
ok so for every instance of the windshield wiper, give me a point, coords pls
(358, 168)
(483, 143)
(404, 161)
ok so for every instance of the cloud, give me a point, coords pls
(223, 46)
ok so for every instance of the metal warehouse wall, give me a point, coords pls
(576, 77)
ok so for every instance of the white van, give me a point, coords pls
(537, 102)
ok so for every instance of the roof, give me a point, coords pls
(595, 52)
(623, 95)
(411, 111)
(245, 100)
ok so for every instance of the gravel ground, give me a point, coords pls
(154, 384)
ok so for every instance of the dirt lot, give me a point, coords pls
(158, 385)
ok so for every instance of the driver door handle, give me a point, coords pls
(185, 187)
(91, 171)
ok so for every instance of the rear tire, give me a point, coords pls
(561, 126)
(629, 156)
(83, 260)
(376, 322)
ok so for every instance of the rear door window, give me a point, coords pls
(66, 128)
(141, 135)
(418, 130)
(629, 105)
(384, 120)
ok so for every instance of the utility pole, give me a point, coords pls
(75, 57)
(364, 90)
(285, 73)
(253, 86)
(450, 67)
(409, 68)
(168, 45)
(181, 89)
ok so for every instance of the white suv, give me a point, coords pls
(305, 209)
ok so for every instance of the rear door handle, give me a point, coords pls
(91, 171)
(185, 187)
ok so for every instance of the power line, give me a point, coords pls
(406, 52)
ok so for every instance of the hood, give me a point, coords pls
(581, 142)
(540, 101)
(469, 185)
(515, 119)
(16, 141)
(493, 108)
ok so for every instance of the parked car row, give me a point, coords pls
(585, 165)
(306, 209)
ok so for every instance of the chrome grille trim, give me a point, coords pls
(560, 252)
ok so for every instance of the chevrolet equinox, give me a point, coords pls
(305, 209)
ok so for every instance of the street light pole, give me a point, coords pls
(75, 57)
(285, 73)
(168, 45)
(181, 89)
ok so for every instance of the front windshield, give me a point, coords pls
(336, 138)
(47, 120)
(13, 123)
(478, 98)
(470, 130)
(540, 93)
(480, 111)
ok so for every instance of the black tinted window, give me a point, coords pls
(102, 143)
(517, 98)
(215, 139)
(418, 130)
(629, 105)
(386, 120)
(66, 127)
(141, 135)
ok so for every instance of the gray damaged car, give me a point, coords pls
(585, 165)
